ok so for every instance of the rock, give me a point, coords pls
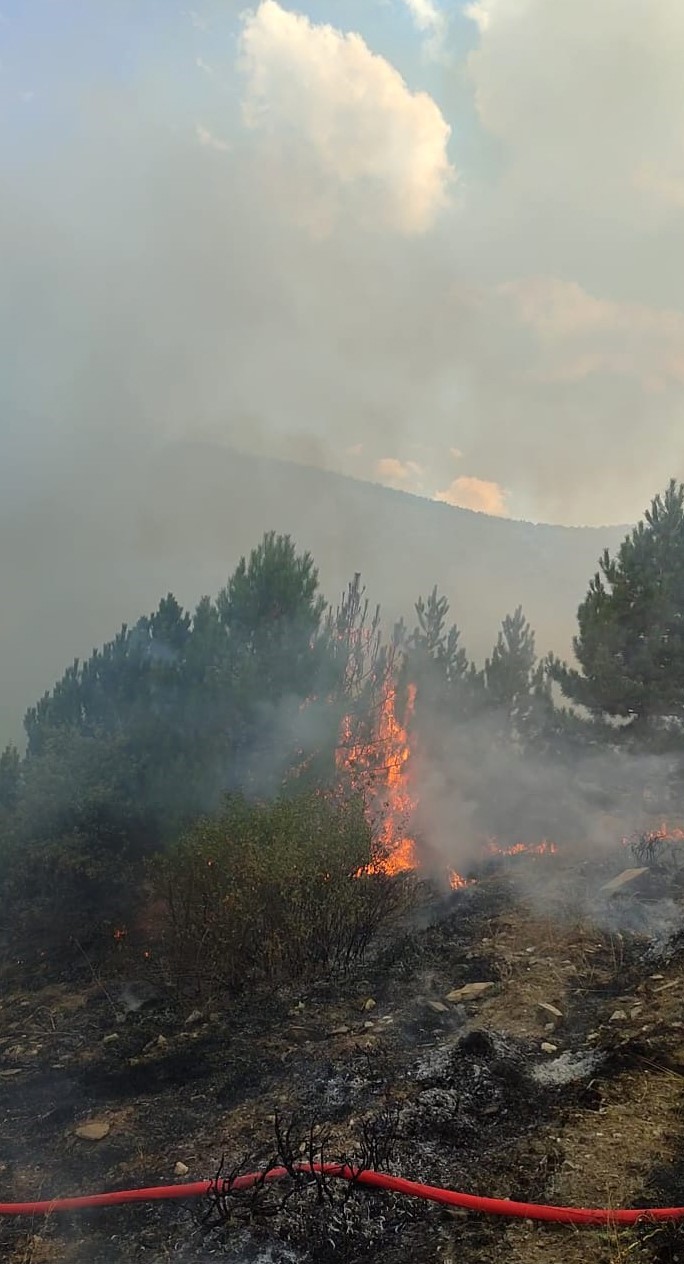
(370, 1004)
(111, 1038)
(339, 1031)
(193, 1018)
(618, 1016)
(159, 1044)
(635, 1012)
(548, 1048)
(470, 992)
(437, 1007)
(550, 1009)
(181, 1169)
(93, 1130)
(628, 878)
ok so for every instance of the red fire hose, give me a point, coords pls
(374, 1180)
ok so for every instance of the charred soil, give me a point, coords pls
(560, 1079)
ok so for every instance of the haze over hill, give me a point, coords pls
(78, 563)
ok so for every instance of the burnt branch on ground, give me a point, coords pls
(331, 1218)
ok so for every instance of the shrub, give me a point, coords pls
(271, 892)
(72, 853)
(74, 886)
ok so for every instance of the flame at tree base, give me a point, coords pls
(378, 767)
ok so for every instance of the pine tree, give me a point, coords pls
(440, 665)
(272, 611)
(10, 779)
(630, 644)
(509, 673)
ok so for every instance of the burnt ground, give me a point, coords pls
(580, 1103)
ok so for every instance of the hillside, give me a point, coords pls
(110, 539)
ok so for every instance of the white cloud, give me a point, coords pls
(208, 141)
(478, 12)
(431, 21)
(479, 494)
(196, 19)
(342, 121)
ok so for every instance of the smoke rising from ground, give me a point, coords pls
(472, 786)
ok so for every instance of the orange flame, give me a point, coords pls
(544, 848)
(457, 881)
(378, 768)
(669, 833)
(664, 832)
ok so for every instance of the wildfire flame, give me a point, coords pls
(668, 833)
(544, 848)
(377, 766)
(457, 881)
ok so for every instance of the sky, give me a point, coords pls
(432, 245)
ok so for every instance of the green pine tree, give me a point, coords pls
(630, 643)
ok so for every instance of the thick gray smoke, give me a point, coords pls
(261, 234)
(473, 787)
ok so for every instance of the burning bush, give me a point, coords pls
(273, 891)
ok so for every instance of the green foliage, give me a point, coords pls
(517, 684)
(355, 669)
(271, 891)
(509, 673)
(630, 644)
(272, 612)
(10, 780)
(439, 664)
(79, 838)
